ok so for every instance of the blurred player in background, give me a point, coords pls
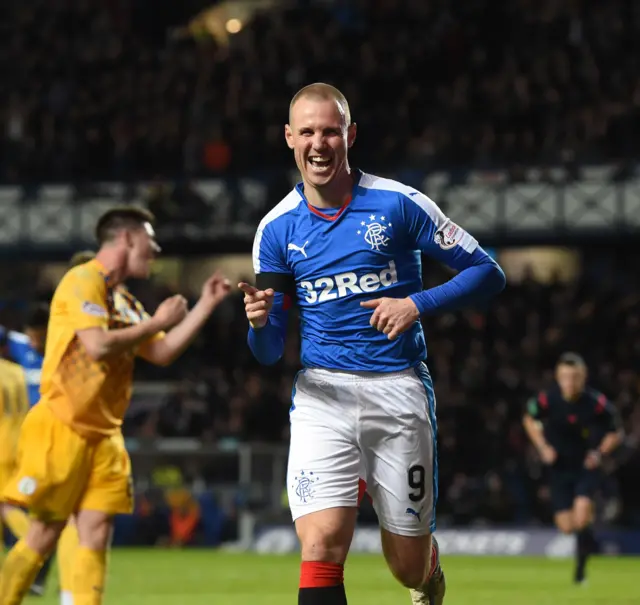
(573, 427)
(71, 454)
(345, 246)
(14, 405)
(27, 350)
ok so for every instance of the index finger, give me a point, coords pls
(247, 288)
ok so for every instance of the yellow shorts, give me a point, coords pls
(58, 472)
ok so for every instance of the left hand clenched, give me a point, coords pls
(392, 316)
(593, 460)
(215, 289)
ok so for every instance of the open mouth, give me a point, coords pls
(319, 163)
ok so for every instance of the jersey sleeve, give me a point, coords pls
(269, 262)
(81, 299)
(272, 271)
(538, 406)
(15, 345)
(428, 229)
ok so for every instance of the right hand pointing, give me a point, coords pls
(257, 304)
(171, 312)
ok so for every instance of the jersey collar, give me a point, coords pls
(357, 175)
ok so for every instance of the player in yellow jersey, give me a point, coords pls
(69, 541)
(14, 404)
(71, 454)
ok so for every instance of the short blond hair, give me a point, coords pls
(323, 92)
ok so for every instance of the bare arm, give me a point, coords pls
(100, 343)
(164, 351)
(535, 432)
(611, 442)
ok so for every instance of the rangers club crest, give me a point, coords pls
(375, 232)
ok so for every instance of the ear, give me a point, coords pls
(352, 131)
(126, 236)
(288, 135)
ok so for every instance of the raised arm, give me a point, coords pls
(267, 303)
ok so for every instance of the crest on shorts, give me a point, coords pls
(27, 486)
(375, 231)
(303, 486)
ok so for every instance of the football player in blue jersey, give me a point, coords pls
(346, 247)
(27, 349)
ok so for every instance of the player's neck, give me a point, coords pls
(112, 264)
(334, 195)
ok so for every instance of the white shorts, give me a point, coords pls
(378, 427)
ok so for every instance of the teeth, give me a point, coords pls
(316, 160)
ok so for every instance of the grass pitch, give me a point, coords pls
(203, 577)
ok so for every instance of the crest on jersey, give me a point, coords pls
(375, 231)
(448, 235)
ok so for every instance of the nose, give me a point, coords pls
(319, 141)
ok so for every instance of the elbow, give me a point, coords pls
(163, 354)
(164, 361)
(266, 357)
(270, 359)
(96, 350)
(497, 278)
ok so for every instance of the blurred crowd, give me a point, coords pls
(91, 89)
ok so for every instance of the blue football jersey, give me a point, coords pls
(335, 259)
(22, 353)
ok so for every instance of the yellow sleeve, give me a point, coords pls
(81, 299)
(15, 405)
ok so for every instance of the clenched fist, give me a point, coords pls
(171, 312)
(257, 304)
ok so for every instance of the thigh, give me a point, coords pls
(110, 489)
(399, 445)
(324, 459)
(52, 469)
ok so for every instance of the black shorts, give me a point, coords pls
(568, 485)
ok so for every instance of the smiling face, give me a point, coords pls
(319, 135)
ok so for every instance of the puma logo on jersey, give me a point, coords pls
(324, 289)
(298, 248)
